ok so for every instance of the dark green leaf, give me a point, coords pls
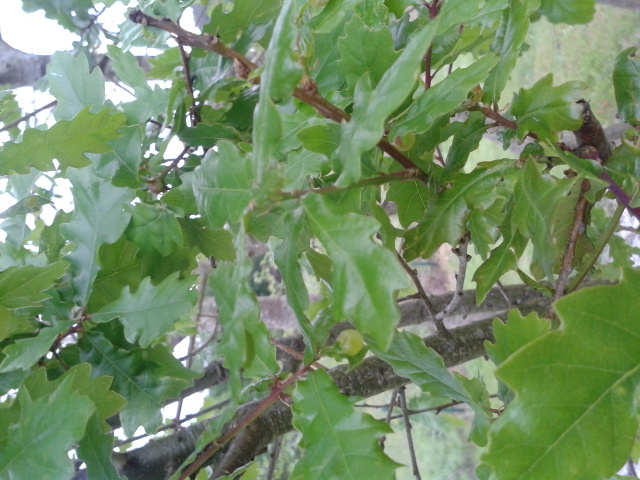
(204, 135)
(373, 106)
(154, 227)
(45, 430)
(365, 50)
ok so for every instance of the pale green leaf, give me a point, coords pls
(127, 68)
(574, 413)
(245, 13)
(25, 286)
(127, 152)
(360, 293)
(99, 217)
(411, 198)
(546, 110)
(339, 441)
(626, 85)
(245, 343)
(536, 203)
(106, 401)
(73, 86)
(151, 311)
(67, 142)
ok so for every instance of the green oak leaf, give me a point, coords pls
(286, 257)
(508, 42)
(568, 11)
(67, 142)
(360, 293)
(443, 97)
(24, 286)
(447, 215)
(546, 110)
(411, 359)
(73, 86)
(212, 243)
(37, 444)
(154, 227)
(626, 85)
(510, 337)
(365, 50)
(537, 200)
(245, 341)
(245, 13)
(106, 401)
(412, 199)
(373, 106)
(99, 217)
(142, 381)
(574, 415)
(26, 352)
(222, 185)
(465, 140)
(127, 68)
(152, 310)
(127, 153)
(207, 135)
(120, 267)
(95, 450)
(339, 441)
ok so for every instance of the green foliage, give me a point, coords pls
(354, 142)
(573, 392)
(339, 442)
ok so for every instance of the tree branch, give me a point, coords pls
(306, 93)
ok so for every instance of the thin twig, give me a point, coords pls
(407, 427)
(422, 295)
(307, 93)
(392, 403)
(599, 247)
(273, 458)
(28, 116)
(631, 468)
(577, 228)
(193, 110)
(184, 419)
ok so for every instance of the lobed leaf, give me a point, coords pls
(574, 413)
(152, 310)
(360, 293)
(24, 286)
(340, 442)
(67, 142)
